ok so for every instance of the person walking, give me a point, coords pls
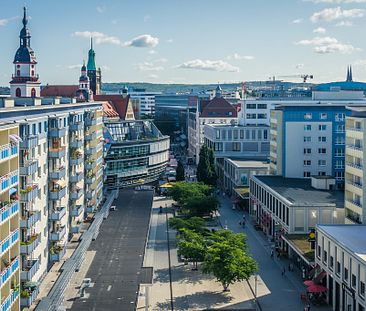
(272, 253)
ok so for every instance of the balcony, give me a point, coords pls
(29, 220)
(89, 165)
(26, 299)
(91, 150)
(7, 151)
(57, 214)
(8, 180)
(29, 193)
(76, 177)
(58, 173)
(29, 142)
(76, 210)
(90, 121)
(29, 269)
(90, 194)
(76, 194)
(90, 179)
(75, 228)
(28, 246)
(7, 210)
(57, 194)
(57, 152)
(58, 234)
(90, 136)
(355, 151)
(57, 133)
(9, 241)
(90, 209)
(76, 160)
(8, 301)
(28, 168)
(8, 272)
(78, 126)
(57, 252)
(76, 143)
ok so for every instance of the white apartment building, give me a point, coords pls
(146, 100)
(341, 254)
(256, 111)
(355, 192)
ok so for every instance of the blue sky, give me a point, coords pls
(190, 41)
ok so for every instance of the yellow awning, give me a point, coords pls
(243, 192)
(61, 183)
(166, 185)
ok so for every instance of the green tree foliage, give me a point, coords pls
(229, 263)
(180, 172)
(195, 224)
(181, 191)
(206, 172)
(191, 246)
(201, 205)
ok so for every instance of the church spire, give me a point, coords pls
(91, 57)
(347, 77)
(350, 73)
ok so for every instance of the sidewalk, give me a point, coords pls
(192, 290)
(275, 292)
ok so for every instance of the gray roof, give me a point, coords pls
(350, 237)
(299, 191)
(249, 163)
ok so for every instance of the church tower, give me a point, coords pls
(25, 82)
(94, 73)
(84, 93)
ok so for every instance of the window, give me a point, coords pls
(354, 280)
(262, 106)
(322, 173)
(217, 134)
(322, 162)
(241, 134)
(18, 73)
(251, 116)
(307, 127)
(307, 139)
(235, 134)
(319, 251)
(322, 127)
(322, 150)
(325, 256)
(18, 92)
(307, 162)
(306, 174)
(253, 134)
(251, 106)
(323, 116)
(265, 135)
(33, 92)
(331, 262)
(339, 117)
(345, 273)
(340, 128)
(262, 116)
(338, 270)
(322, 139)
(308, 116)
(362, 288)
(236, 146)
(307, 150)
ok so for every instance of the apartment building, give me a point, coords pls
(9, 221)
(340, 255)
(355, 192)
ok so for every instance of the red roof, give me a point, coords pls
(59, 90)
(109, 111)
(119, 103)
(216, 108)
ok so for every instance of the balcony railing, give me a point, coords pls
(76, 126)
(29, 220)
(29, 193)
(354, 165)
(28, 168)
(29, 269)
(355, 147)
(90, 194)
(9, 241)
(76, 160)
(90, 209)
(56, 254)
(57, 152)
(91, 150)
(7, 150)
(90, 179)
(32, 296)
(8, 302)
(90, 136)
(76, 210)
(356, 129)
(354, 218)
(29, 142)
(28, 246)
(355, 184)
(8, 272)
(8, 210)
(358, 204)
(76, 177)
(57, 194)
(8, 180)
(90, 121)
(76, 194)
(77, 143)
(90, 165)
(58, 235)
(57, 132)
(57, 214)
(58, 173)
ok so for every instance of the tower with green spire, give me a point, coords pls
(94, 73)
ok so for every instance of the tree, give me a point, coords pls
(195, 224)
(180, 176)
(181, 191)
(191, 246)
(206, 166)
(200, 205)
(228, 263)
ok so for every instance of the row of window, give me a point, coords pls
(256, 106)
(321, 139)
(324, 116)
(321, 127)
(254, 134)
(320, 150)
(260, 116)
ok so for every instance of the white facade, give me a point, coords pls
(341, 253)
(256, 111)
(146, 100)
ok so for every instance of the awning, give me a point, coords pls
(15, 138)
(61, 183)
(300, 244)
(242, 192)
(166, 185)
(317, 289)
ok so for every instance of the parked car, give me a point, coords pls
(112, 208)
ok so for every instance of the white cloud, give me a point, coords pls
(143, 41)
(149, 66)
(360, 62)
(73, 67)
(331, 14)
(152, 52)
(160, 60)
(169, 41)
(237, 56)
(105, 68)
(344, 24)
(153, 76)
(5, 21)
(100, 38)
(299, 66)
(297, 21)
(336, 1)
(210, 65)
(326, 45)
(101, 9)
(319, 30)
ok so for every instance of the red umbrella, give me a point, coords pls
(309, 283)
(317, 289)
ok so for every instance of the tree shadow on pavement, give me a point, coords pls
(195, 301)
(182, 274)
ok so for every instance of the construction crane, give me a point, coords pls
(304, 77)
